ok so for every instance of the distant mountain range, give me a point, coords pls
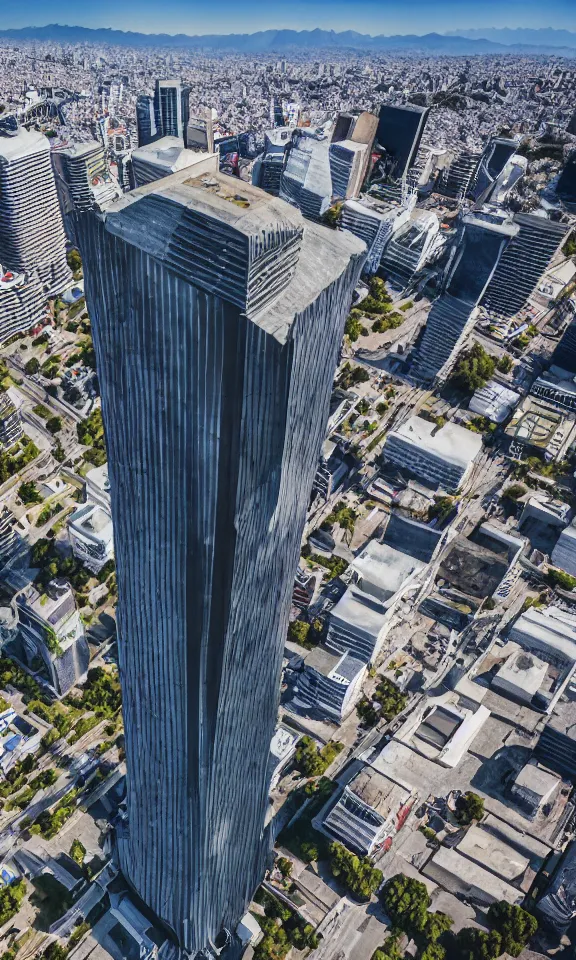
(520, 35)
(559, 42)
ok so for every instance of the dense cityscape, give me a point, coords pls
(287, 502)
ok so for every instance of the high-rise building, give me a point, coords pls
(51, 630)
(83, 180)
(146, 120)
(398, 136)
(217, 316)
(171, 105)
(166, 114)
(526, 258)
(32, 243)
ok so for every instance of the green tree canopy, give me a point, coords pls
(474, 944)
(312, 761)
(474, 368)
(515, 925)
(406, 901)
(358, 874)
(388, 951)
(469, 807)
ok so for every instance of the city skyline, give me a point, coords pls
(366, 16)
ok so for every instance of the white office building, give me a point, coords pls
(90, 533)
(440, 456)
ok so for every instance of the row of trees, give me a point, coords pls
(15, 459)
(312, 761)
(358, 874)
(282, 929)
(387, 701)
(91, 434)
(407, 903)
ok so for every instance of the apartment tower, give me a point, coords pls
(217, 315)
(31, 231)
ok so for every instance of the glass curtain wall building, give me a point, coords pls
(217, 314)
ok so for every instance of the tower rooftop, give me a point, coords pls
(258, 253)
(23, 143)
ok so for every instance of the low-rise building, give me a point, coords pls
(370, 811)
(359, 621)
(538, 427)
(462, 877)
(494, 401)
(442, 456)
(324, 684)
(442, 730)
(168, 155)
(98, 487)
(282, 749)
(534, 787)
(52, 634)
(91, 537)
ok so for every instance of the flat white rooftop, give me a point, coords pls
(524, 671)
(359, 609)
(550, 627)
(170, 154)
(451, 442)
(382, 569)
(534, 778)
(21, 144)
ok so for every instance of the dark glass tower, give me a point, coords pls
(217, 315)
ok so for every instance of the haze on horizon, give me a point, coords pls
(364, 16)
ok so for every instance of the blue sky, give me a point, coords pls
(246, 16)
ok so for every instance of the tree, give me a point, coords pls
(313, 762)
(40, 551)
(505, 363)
(58, 452)
(437, 924)
(474, 944)
(55, 951)
(54, 424)
(387, 701)
(32, 366)
(331, 217)
(357, 873)
(74, 260)
(406, 901)
(353, 326)
(11, 897)
(284, 865)
(432, 951)
(78, 852)
(29, 493)
(469, 807)
(515, 926)
(308, 852)
(298, 632)
(514, 492)
(350, 376)
(441, 508)
(388, 951)
(558, 578)
(474, 368)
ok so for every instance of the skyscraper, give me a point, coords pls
(146, 120)
(171, 103)
(32, 245)
(83, 180)
(217, 315)
(166, 114)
